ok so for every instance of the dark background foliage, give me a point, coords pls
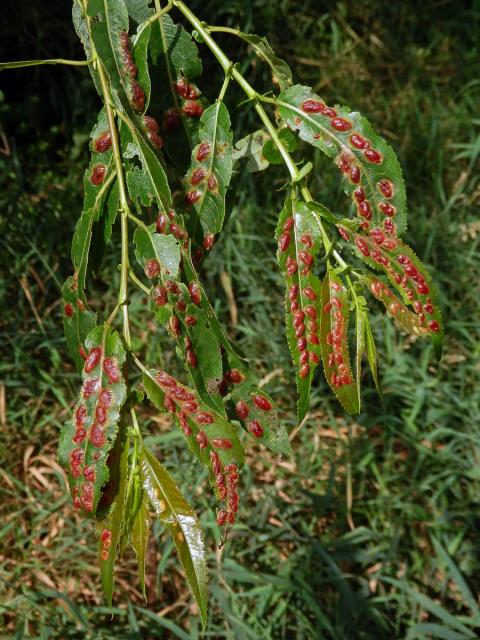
(372, 530)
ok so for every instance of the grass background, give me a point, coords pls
(400, 561)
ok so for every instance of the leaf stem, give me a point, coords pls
(138, 282)
(18, 64)
(124, 208)
(156, 16)
(230, 69)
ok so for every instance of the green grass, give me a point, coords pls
(400, 561)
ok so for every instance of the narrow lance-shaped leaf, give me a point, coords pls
(81, 28)
(139, 55)
(195, 417)
(211, 438)
(238, 380)
(209, 175)
(334, 316)
(99, 189)
(282, 74)
(88, 436)
(139, 538)
(148, 183)
(371, 353)
(372, 175)
(364, 343)
(109, 28)
(409, 278)
(176, 514)
(110, 528)
(178, 101)
(360, 317)
(299, 242)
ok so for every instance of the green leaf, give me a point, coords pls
(334, 311)
(102, 229)
(139, 10)
(139, 53)
(282, 74)
(431, 607)
(218, 429)
(371, 353)
(275, 435)
(164, 249)
(299, 242)
(139, 538)
(95, 198)
(110, 528)
(211, 169)
(92, 234)
(149, 182)
(408, 276)
(81, 29)
(78, 320)
(457, 577)
(89, 435)
(360, 319)
(110, 36)
(270, 150)
(176, 514)
(378, 184)
(175, 57)
(251, 148)
(109, 29)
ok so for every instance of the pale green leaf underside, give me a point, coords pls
(176, 514)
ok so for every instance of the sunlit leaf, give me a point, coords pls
(139, 538)
(194, 416)
(334, 316)
(281, 72)
(418, 311)
(175, 60)
(371, 173)
(299, 241)
(110, 528)
(209, 175)
(176, 514)
(88, 436)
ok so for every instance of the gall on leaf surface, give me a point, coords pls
(417, 311)
(148, 182)
(299, 243)
(109, 29)
(334, 311)
(125, 70)
(176, 515)
(245, 385)
(175, 59)
(88, 436)
(190, 410)
(92, 235)
(372, 175)
(211, 168)
(157, 254)
(110, 528)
